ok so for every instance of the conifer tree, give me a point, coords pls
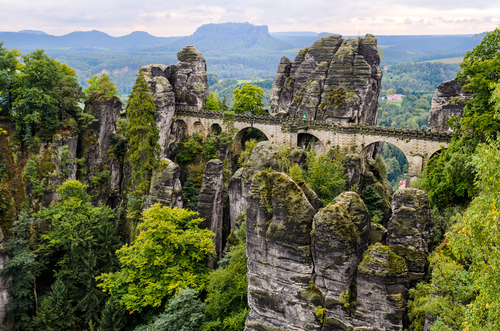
(142, 133)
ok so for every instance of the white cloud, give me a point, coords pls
(167, 18)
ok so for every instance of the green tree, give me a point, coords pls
(326, 175)
(169, 255)
(248, 100)
(56, 312)
(113, 316)
(212, 102)
(142, 133)
(8, 67)
(21, 269)
(101, 84)
(448, 178)
(43, 89)
(227, 304)
(81, 242)
(373, 202)
(184, 312)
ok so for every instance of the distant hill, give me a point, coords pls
(28, 40)
(228, 37)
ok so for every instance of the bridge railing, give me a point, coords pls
(296, 125)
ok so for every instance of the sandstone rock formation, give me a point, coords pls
(183, 85)
(448, 100)
(102, 168)
(211, 205)
(382, 290)
(316, 271)
(409, 231)
(263, 157)
(334, 80)
(166, 186)
(280, 265)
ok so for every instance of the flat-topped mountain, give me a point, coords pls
(229, 37)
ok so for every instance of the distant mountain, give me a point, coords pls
(228, 37)
(300, 39)
(81, 40)
(32, 32)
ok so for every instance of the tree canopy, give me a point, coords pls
(248, 100)
(142, 133)
(168, 255)
(101, 84)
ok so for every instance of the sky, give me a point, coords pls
(164, 18)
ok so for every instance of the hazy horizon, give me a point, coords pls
(162, 19)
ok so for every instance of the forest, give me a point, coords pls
(80, 265)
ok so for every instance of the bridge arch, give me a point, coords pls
(215, 129)
(395, 159)
(245, 135)
(311, 142)
(198, 126)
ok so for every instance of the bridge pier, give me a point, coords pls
(415, 166)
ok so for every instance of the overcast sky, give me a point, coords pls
(180, 18)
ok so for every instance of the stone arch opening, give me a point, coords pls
(197, 126)
(396, 162)
(245, 135)
(310, 142)
(215, 129)
(179, 129)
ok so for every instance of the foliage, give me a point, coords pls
(168, 255)
(21, 269)
(423, 76)
(143, 134)
(248, 100)
(113, 318)
(448, 178)
(479, 71)
(444, 297)
(8, 66)
(101, 84)
(226, 300)
(296, 173)
(56, 312)
(412, 113)
(100, 178)
(43, 88)
(184, 312)
(320, 313)
(212, 102)
(464, 290)
(326, 175)
(34, 177)
(373, 202)
(81, 240)
(249, 146)
(190, 194)
(190, 147)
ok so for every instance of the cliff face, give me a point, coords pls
(334, 80)
(448, 100)
(183, 85)
(318, 270)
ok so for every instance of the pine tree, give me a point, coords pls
(113, 316)
(142, 133)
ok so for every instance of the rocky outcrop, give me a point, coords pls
(335, 80)
(382, 290)
(102, 170)
(409, 231)
(318, 272)
(263, 157)
(166, 186)
(183, 85)
(157, 75)
(211, 205)
(341, 235)
(448, 100)
(280, 265)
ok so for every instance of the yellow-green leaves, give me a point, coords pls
(168, 255)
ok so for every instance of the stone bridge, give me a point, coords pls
(417, 145)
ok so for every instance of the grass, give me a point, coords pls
(448, 60)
